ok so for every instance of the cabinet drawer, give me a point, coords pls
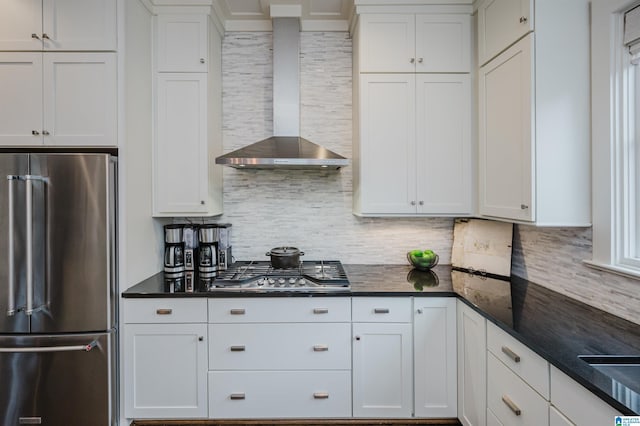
(382, 309)
(280, 346)
(512, 401)
(253, 394)
(532, 368)
(165, 310)
(577, 403)
(289, 309)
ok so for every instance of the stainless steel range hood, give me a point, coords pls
(286, 149)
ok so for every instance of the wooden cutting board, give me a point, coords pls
(482, 245)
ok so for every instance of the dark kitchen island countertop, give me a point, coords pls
(557, 327)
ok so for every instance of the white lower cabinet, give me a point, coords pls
(472, 366)
(382, 357)
(512, 400)
(165, 358)
(573, 404)
(246, 394)
(279, 357)
(556, 418)
(434, 358)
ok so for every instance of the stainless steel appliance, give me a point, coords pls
(260, 276)
(207, 253)
(174, 260)
(225, 256)
(58, 289)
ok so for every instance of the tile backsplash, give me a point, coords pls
(311, 210)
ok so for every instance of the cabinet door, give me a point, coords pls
(443, 140)
(443, 43)
(180, 149)
(182, 43)
(382, 384)
(387, 43)
(165, 370)
(506, 134)
(79, 24)
(434, 341)
(500, 24)
(80, 99)
(18, 21)
(557, 419)
(472, 366)
(388, 157)
(21, 99)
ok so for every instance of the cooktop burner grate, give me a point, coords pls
(320, 275)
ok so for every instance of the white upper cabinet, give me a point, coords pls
(534, 120)
(182, 43)
(500, 24)
(409, 43)
(63, 99)
(505, 150)
(58, 25)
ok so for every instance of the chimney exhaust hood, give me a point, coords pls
(286, 149)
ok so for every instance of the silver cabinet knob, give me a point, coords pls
(523, 19)
(412, 60)
(34, 35)
(200, 338)
(45, 35)
(202, 60)
(357, 337)
(45, 132)
(35, 132)
(523, 206)
(420, 60)
(413, 203)
(419, 311)
(421, 203)
(202, 202)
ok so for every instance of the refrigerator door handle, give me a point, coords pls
(29, 237)
(83, 348)
(11, 302)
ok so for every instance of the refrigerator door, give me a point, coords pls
(77, 291)
(55, 380)
(13, 243)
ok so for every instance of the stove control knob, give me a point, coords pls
(292, 280)
(302, 281)
(280, 280)
(262, 281)
(272, 281)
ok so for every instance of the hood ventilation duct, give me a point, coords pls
(286, 149)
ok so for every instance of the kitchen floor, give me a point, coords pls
(296, 422)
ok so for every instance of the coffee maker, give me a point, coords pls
(207, 253)
(174, 269)
(224, 246)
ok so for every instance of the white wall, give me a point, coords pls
(141, 253)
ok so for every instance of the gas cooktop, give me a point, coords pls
(315, 275)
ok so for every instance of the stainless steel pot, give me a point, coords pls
(285, 257)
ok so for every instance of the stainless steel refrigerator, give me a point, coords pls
(58, 288)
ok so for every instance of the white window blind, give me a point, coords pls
(632, 33)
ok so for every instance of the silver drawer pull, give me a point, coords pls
(321, 395)
(237, 311)
(237, 396)
(511, 354)
(320, 310)
(512, 406)
(320, 348)
(381, 310)
(164, 311)
(237, 348)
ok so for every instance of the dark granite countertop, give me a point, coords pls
(558, 328)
